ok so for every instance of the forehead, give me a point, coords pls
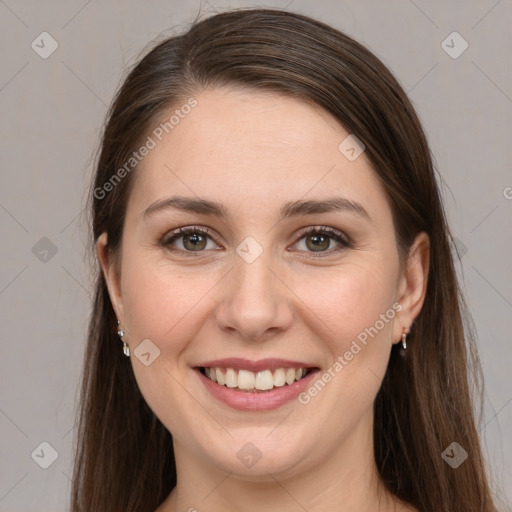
(247, 147)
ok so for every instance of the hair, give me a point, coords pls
(124, 455)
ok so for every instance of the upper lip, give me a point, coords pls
(254, 366)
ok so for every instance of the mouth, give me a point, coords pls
(255, 385)
(247, 381)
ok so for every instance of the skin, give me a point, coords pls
(253, 151)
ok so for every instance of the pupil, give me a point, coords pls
(319, 241)
(195, 239)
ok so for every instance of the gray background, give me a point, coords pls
(52, 112)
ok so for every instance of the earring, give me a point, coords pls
(121, 333)
(404, 342)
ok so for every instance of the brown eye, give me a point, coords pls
(194, 242)
(323, 240)
(318, 242)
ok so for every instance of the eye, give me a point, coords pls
(319, 240)
(193, 239)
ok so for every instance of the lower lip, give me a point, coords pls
(256, 401)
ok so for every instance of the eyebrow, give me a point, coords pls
(288, 210)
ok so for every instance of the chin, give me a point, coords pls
(256, 456)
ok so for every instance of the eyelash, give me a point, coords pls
(343, 240)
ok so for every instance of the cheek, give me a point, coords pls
(352, 303)
(349, 301)
(167, 306)
(356, 304)
(157, 299)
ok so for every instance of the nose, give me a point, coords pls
(255, 302)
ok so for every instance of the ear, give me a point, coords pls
(412, 285)
(111, 272)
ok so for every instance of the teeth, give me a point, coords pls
(264, 380)
(255, 381)
(279, 377)
(289, 376)
(220, 377)
(245, 379)
(231, 378)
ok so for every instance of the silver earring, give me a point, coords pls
(404, 338)
(121, 333)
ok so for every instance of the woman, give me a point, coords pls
(275, 260)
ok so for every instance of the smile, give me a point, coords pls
(248, 381)
(255, 385)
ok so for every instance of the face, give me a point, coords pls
(265, 292)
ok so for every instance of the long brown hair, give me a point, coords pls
(124, 455)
